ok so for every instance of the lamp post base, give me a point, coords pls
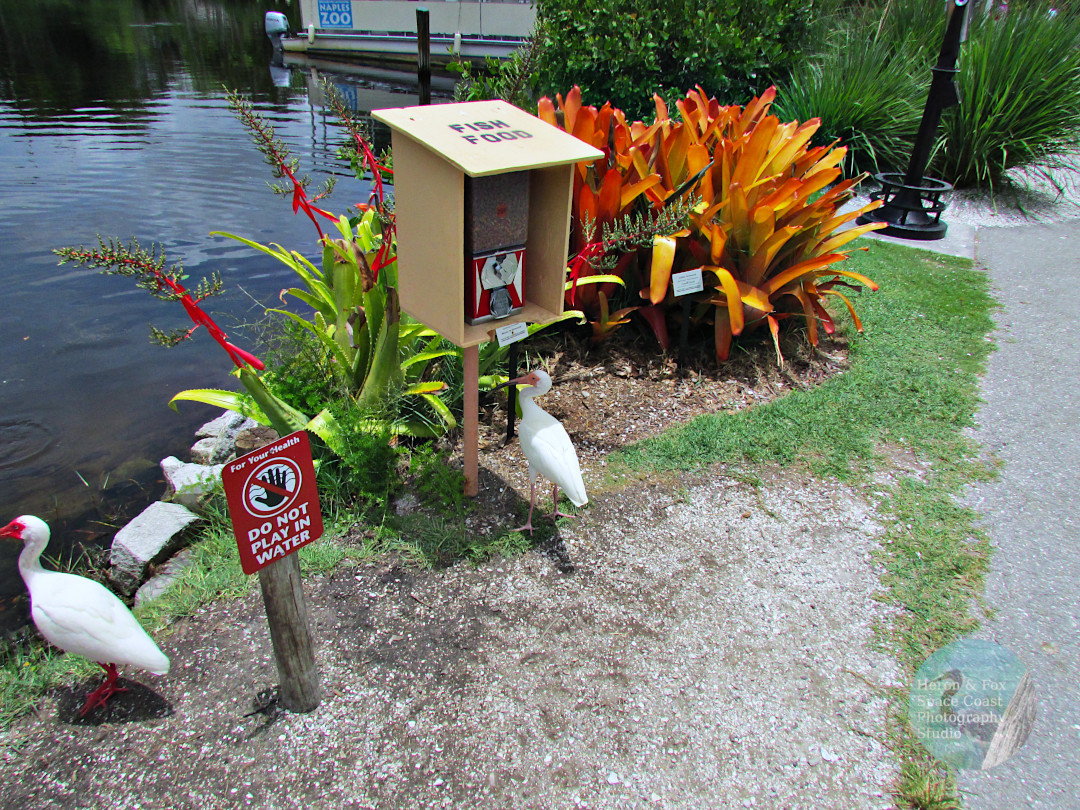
(911, 211)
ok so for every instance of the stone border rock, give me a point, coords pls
(150, 553)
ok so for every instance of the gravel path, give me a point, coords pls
(1029, 244)
(701, 643)
(1029, 423)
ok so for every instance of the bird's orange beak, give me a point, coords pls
(525, 379)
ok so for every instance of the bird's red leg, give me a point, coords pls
(532, 502)
(555, 501)
(101, 695)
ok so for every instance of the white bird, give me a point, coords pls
(81, 616)
(547, 447)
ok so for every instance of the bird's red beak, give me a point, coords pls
(13, 530)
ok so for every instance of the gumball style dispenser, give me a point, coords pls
(496, 229)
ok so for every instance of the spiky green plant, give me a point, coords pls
(873, 110)
(1019, 86)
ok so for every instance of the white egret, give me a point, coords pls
(547, 447)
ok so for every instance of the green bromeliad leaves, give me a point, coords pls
(355, 318)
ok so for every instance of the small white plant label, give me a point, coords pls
(687, 282)
(511, 333)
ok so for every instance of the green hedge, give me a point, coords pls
(623, 51)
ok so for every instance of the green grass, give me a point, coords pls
(30, 668)
(912, 384)
(911, 381)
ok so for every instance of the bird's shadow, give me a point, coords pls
(138, 704)
(496, 495)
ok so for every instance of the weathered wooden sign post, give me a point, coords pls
(482, 196)
(274, 506)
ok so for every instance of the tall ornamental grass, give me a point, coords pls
(874, 112)
(1019, 87)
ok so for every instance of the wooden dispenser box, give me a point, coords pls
(482, 196)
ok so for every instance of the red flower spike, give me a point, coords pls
(239, 357)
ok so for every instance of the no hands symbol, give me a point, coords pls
(273, 501)
(272, 487)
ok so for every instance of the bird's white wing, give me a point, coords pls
(549, 450)
(83, 617)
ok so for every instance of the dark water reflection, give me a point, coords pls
(113, 121)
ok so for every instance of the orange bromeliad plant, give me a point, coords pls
(605, 190)
(763, 228)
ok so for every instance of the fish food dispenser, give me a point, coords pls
(482, 197)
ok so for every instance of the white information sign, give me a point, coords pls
(511, 333)
(687, 282)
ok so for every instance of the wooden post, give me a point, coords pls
(294, 652)
(423, 55)
(472, 407)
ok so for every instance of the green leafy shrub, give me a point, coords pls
(365, 463)
(623, 51)
(437, 483)
(514, 80)
(297, 367)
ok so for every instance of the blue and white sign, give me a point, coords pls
(348, 93)
(335, 14)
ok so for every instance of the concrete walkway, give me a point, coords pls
(1029, 421)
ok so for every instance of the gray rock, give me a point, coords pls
(228, 424)
(164, 576)
(217, 438)
(212, 450)
(157, 532)
(187, 483)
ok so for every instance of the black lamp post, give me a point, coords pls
(913, 203)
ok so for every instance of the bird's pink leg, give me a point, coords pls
(555, 500)
(532, 502)
(101, 695)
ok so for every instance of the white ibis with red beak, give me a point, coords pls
(547, 447)
(81, 616)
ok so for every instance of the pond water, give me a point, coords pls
(113, 121)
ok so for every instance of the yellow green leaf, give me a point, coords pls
(732, 297)
(663, 257)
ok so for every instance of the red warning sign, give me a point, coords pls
(273, 500)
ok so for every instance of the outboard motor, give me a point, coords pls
(277, 26)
